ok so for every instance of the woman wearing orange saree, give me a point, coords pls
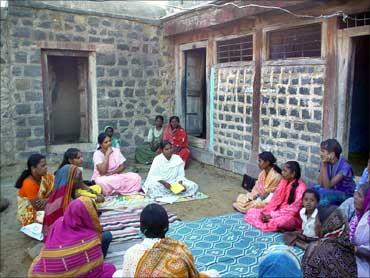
(158, 256)
(73, 247)
(177, 135)
(35, 186)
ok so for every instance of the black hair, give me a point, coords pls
(101, 138)
(314, 192)
(32, 161)
(324, 212)
(71, 153)
(294, 166)
(174, 117)
(164, 143)
(332, 145)
(268, 156)
(108, 127)
(159, 117)
(154, 221)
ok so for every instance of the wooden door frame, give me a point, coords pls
(180, 74)
(91, 88)
(345, 80)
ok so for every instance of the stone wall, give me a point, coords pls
(134, 74)
(233, 111)
(7, 126)
(291, 114)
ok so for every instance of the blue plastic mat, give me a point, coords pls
(226, 243)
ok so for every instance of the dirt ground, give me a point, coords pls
(221, 186)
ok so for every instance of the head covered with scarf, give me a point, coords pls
(362, 205)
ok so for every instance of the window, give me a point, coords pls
(355, 20)
(235, 50)
(302, 41)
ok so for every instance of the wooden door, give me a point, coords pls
(194, 91)
(82, 69)
(47, 96)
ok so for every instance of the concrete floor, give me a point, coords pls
(221, 186)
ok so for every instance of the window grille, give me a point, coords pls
(235, 50)
(302, 41)
(355, 20)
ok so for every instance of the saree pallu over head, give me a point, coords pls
(61, 195)
(26, 213)
(167, 258)
(333, 254)
(73, 247)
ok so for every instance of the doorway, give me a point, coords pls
(359, 129)
(67, 97)
(195, 92)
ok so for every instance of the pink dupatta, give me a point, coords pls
(73, 246)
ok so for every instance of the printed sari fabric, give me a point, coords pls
(30, 189)
(284, 216)
(179, 138)
(73, 247)
(61, 195)
(332, 255)
(343, 189)
(167, 258)
(146, 152)
(265, 185)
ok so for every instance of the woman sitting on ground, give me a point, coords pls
(332, 255)
(109, 131)
(35, 186)
(282, 212)
(266, 183)
(178, 137)
(156, 255)
(109, 167)
(336, 182)
(74, 157)
(74, 245)
(359, 230)
(167, 168)
(145, 153)
(67, 180)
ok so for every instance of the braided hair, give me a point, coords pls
(294, 167)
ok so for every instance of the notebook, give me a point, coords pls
(177, 187)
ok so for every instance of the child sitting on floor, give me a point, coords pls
(310, 221)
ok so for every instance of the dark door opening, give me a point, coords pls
(67, 99)
(195, 92)
(359, 130)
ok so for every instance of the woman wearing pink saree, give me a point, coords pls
(282, 212)
(109, 167)
(73, 247)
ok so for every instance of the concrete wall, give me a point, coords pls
(134, 72)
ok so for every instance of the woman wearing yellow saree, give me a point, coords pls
(35, 186)
(265, 185)
(158, 256)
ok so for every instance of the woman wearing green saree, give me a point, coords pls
(145, 153)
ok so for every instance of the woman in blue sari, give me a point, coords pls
(336, 182)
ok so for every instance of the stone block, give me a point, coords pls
(292, 90)
(45, 24)
(108, 40)
(39, 132)
(20, 57)
(93, 39)
(116, 113)
(137, 73)
(123, 47)
(317, 91)
(80, 28)
(35, 56)
(114, 93)
(100, 71)
(306, 114)
(20, 122)
(128, 92)
(122, 61)
(105, 83)
(129, 114)
(132, 35)
(299, 126)
(317, 115)
(79, 38)
(16, 71)
(304, 91)
(315, 128)
(107, 103)
(38, 108)
(159, 109)
(22, 32)
(23, 133)
(124, 72)
(32, 143)
(113, 72)
(36, 120)
(32, 70)
(136, 61)
(108, 59)
(140, 123)
(118, 83)
(33, 96)
(23, 109)
(93, 21)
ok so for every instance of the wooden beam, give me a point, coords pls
(257, 49)
(330, 103)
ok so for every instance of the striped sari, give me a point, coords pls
(61, 196)
(73, 246)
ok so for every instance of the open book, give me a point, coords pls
(177, 187)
